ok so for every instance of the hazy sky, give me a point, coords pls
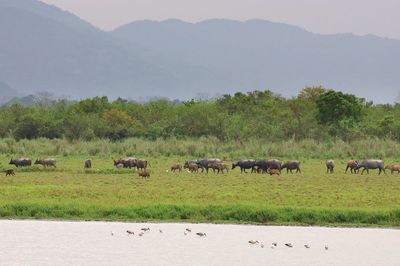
(380, 17)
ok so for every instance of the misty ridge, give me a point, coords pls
(43, 48)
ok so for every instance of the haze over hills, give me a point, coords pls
(68, 56)
(46, 49)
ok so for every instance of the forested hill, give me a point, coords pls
(44, 48)
(315, 113)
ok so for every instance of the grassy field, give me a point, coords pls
(106, 193)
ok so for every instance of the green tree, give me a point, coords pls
(27, 128)
(312, 93)
(119, 124)
(335, 106)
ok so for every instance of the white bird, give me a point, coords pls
(201, 234)
(145, 229)
(130, 232)
(188, 230)
(112, 233)
(289, 245)
(326, 247)
(184, 232)
(160, 231)
(253, 242)
(262, 245)
(274, 244)
(141, 234)
(306, 246)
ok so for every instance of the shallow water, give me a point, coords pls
(91, 243)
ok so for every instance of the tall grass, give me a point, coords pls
(210, 213)
(203, 147)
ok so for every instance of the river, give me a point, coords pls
(29, 242)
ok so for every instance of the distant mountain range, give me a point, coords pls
(43, 48)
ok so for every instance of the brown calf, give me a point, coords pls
(393, 168)
(274, 171)
(220, 167)
(10, 172)
(144, 174)
(176, 167)
(193, 167)
(352, 165)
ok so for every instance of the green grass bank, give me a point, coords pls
(106, 193)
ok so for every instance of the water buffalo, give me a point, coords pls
(352, 165)
(128, 162)
(88, 164)
(393, 168)
(330, 165)
(46, 162)
(291, 165)
(261, 171)
(220, 167)
(21, 162)
(142, 164)
(371, 164)
(244, 164)
(263, 165)
(176, 167)
(144, 174)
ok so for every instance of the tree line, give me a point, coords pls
(315, 113)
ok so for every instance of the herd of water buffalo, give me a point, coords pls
(272, 166)
(28, 162)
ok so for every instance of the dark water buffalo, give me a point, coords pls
(46, 162)
(352, 165)
(264, 165)
(88, 164)
(292, 165)
(21, 162)
(371, 164)
(393, 168)
(128, 162)
(244, 164)
(330, 165)
(142, 164)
